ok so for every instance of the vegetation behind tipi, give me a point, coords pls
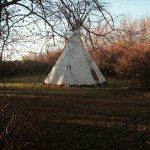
(128, 55)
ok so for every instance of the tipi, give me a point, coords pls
(75, 66)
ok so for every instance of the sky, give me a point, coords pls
(134, 8)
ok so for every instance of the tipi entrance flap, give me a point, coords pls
(95, 77)
(66, 78)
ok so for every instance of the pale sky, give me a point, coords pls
(136, 8)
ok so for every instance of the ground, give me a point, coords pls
(112, 117)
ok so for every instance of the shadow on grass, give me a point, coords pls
(75, 118)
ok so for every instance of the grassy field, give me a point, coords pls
(112, 117)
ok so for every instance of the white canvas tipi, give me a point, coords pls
(75, 66)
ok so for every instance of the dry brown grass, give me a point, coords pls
(110, 117)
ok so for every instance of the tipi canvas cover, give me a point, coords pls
(75, 66)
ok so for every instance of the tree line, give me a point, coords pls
(126, 54)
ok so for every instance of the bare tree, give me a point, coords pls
(16, 18)
(23, 21)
